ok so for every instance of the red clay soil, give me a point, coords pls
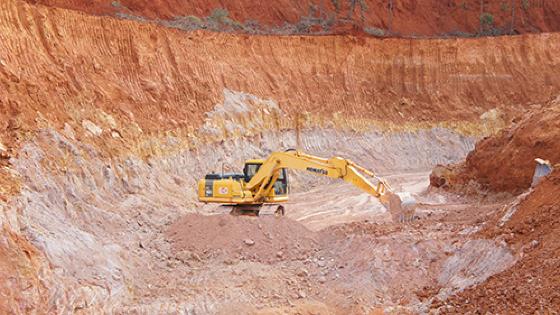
(506, 162)
(532, 285)
(60, 66)
(20, 284)
(263, 239)
(407, 17)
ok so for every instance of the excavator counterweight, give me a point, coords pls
(264, 184)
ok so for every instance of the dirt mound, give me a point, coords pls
(375, 17)
(533, 284)
(263, 239)
(506, 162)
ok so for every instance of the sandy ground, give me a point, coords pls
(339, 203)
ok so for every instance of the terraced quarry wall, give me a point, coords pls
(54, 60)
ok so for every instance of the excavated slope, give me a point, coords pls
(529, 224)
(532, 285)
(53, 60)
(506, 162)
(407, 18)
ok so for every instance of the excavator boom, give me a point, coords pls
(400, 205)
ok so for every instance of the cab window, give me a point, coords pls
(281, 185)
(250, 171)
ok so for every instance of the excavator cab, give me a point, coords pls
(230, 189)
(280, 186)
(251, 168)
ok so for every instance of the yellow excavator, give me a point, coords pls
(263, 185)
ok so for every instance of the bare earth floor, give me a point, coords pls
(338, 251)
(129, 237)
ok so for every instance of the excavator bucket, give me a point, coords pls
(401, 205)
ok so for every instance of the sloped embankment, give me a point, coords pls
(532, 285)
(506, 161)
(530, 224)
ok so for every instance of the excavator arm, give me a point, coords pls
(400, 205)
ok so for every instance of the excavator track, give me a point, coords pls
(275, 210)
(256, 210)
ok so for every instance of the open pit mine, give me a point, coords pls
(279, 157)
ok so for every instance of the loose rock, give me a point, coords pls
(302, 272)
(3, 152)
(92, 128)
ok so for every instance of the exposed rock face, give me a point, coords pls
(92, 128)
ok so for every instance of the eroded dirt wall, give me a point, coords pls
(393, 18)
(59, 66)
(506, 161)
